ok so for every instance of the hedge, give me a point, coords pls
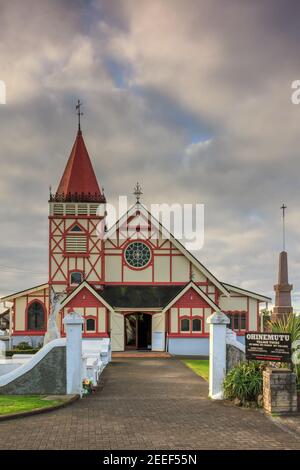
(11, 352)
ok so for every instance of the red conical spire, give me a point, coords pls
(79, 182)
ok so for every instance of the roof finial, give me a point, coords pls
(283, 208)
(79, 113)
(138, 192)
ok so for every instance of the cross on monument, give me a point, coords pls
(79, 113)
(283, 208)
(138, 192)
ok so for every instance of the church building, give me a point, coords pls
(130, 283)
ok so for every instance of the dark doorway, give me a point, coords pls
(138, 331)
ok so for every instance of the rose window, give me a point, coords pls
(137, 254)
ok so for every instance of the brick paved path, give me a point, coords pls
(147, 404)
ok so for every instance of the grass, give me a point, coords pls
(199, 366)
(10, 404)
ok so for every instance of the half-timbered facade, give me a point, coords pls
(134, 283)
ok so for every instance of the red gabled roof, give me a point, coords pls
(79, 179)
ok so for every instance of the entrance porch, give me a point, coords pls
(138, 330)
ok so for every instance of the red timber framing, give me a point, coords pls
(139, 225)
(141, 231)
(85, 299)
(39, 295)
(191, 303)
(62, 264)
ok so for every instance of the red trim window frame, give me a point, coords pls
(36, 332)
(235, 317)
(150, 262)
(89, 332)
(190, 318)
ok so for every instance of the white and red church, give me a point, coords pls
(139, 288)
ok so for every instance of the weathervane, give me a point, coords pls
(283, 208)
(79, 113)
(138, 192)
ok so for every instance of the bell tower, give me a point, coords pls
(76, 222)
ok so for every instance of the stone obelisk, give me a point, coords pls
(283, 302)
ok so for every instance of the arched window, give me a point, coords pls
(76, 277)
(196, 325)
(90, 325)
(185, 324)
(36, 316)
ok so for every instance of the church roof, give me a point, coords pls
(139, 296)
(78, 182)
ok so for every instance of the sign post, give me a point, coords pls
(274, 347)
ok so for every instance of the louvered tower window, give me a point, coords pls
(76, 240)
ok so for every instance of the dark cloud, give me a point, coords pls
(193, 102)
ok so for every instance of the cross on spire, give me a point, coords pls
(79, 113)
(283, 208)
(138, 192)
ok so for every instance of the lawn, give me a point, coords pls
(199, 366)
(10, 404)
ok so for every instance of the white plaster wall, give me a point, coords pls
(20, 314)
(133, 275)
(101, 319)
(253, 314)
(113, 268)
(233, 303)
(198, 276)
(197, 311)
(180, 269)
(161, 268)
(174, 320)
(207, 312)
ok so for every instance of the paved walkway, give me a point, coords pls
(148, 404)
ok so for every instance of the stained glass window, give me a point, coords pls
(137, 254)
(36, 316)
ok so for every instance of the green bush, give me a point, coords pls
(289, 324)
(23, 346)
(11, 352)
(244, 382)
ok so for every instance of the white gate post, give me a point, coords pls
(73, 326)
(217, 353)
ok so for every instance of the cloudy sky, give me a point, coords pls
(192, 99)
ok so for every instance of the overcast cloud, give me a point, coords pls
(192, 99)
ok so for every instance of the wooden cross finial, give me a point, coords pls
(79, 113)
(138, 192)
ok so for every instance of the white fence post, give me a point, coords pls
(73, 326)
(217, 353)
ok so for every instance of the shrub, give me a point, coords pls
(23, 345)
(244, 382)
(289, 324)
(11, 352)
